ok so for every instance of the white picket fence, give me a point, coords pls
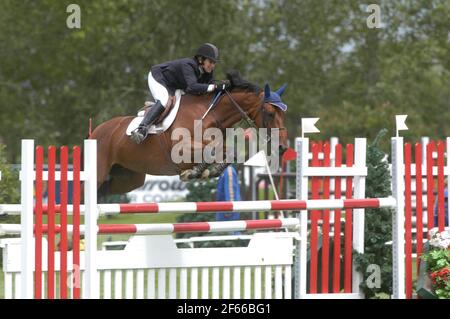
(153, 267)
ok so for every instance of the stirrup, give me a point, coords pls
(139, 134)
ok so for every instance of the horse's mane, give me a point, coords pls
(237, 82)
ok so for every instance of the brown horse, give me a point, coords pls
(122, 164)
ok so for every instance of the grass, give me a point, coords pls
(2, 285)
(133, 219)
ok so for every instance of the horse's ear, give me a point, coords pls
(280, 91)
(234, 77)
(266, 91)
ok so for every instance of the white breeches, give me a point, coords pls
(158, 90)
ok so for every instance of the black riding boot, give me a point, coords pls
(139, 134)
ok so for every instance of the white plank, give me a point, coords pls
(172, 283)
(8, 285)
(287, 282)
(215, 282)
(247, 282)
(83, 284)
(140, 284)
(268, 282)
(257, 283)
(183, 283)
(205, 283)
(236, 282)
(162, 283)
(118, 284)
(194, 283)
(129, 284)
(278, 282)
(18, 286)
(226, 283)
(107, 284)
(44, 281)
(151, 280)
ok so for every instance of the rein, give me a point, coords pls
(249, 121)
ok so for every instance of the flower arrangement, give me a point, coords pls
(438, 262)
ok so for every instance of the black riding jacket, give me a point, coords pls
(182, 74)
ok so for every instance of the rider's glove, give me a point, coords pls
(223, 85)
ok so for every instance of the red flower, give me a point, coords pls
(443, 272)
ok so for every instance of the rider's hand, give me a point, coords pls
(223, 85)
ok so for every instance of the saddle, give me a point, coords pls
(164, 121)
(169, 106)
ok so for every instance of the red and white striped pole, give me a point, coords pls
(240, 206)
(247, 206)
(162, 229)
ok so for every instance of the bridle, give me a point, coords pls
(250, 122)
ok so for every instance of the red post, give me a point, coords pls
(441, 186)
(419, 206)
(51, 223)
(63, 217)
(408, 221)
(76, 223)
(430, 185)
(314, 223)
(337, 226)
(348, 240)
(326, 223)
(38, 223)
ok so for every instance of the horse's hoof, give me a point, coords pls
(214, 173)
(205, 174)
(185, 175)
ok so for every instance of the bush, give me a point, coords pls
(9, 184)
(378, 222)
(9, 190)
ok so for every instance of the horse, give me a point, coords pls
(122, 165)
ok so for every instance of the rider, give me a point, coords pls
(193, 75)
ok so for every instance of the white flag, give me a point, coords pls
(400, 122)
(259, 159)
(308, 125)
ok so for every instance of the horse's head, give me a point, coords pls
(273, 110)
(265, 108)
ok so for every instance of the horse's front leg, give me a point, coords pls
(216, 169)
(194, 172)
(197, 170)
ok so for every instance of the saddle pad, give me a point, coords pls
(164, 125)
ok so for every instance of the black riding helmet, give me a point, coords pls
(209, 51)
